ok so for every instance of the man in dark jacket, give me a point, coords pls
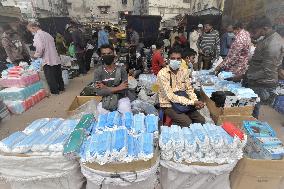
(262, 73)
(80, 47)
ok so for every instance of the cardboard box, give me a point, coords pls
(79, 101)
(258, 174)
(125, 167)
(236, 120)
(219, 115)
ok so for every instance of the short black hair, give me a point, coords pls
(209, 22)
(260, 22)
(105, 46)
(177, 37)
(176, 50)
(159, 44)
(238, 25)
(188, 52)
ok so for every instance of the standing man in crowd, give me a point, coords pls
(262, 73)
(133, 38)
(80, 48)
(14, 46)
(45, 49)
(193, 38)
(208, 46)
(173, 36)
(238, 56)
(111, 83)
(226, 41)
(158, 61)
(103, 37)
(175, 90)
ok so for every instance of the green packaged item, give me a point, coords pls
(85, 122)
(72, 50)
(74, 142)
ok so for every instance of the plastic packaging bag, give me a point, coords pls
(138, 106)
(36, 125)
(7, 143)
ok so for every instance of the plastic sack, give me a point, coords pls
(139, 106)
(179, 176)
(124, 180)
(65, 77)
(44, 172)
(87, 108)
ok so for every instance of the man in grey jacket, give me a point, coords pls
(262, 73)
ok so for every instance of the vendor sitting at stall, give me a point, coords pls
(176, 95)
(111, 83)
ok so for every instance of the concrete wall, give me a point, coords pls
(165, 8)
(199, 5)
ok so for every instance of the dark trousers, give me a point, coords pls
(88, 58)
(184, 119)
(53, 75)
(206, 61)
(81, 62)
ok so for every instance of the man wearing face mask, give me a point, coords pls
(111, 82)
(176, 95)
(14, 46)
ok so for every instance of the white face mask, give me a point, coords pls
(175, 64)
(33, 33)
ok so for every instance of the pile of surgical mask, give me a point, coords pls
(262, 141)
(117, 138)
(225, 75)
(147, 81)
(206, 143)
(42, 135)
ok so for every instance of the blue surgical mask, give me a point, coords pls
(175, 64)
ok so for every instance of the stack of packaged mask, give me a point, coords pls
(198, 143)
(41, 136)
(117, 138)
(262, 141)
(19, 100)
(22, 81)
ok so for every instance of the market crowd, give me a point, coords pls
(253, 52)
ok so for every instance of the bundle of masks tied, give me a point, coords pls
(43, 136)
(198, 143)
(114, 138)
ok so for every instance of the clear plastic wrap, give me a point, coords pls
(147, 142)
(7, 144)
(74, 142)
(88, 108)
(85, 122)
(139, 123)
(151, 122)
(36, 125)
(119, 144)
(128, 120)
(52, 125)
(26, 144)
(100, 147)
(139, 106)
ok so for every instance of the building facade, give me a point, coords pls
(165, 8)
(39, 8)
(199, 5)
(100, 10)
